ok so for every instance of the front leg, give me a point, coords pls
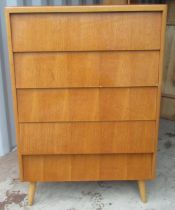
(142, 190)
(31, 193)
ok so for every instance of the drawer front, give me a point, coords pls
(86, 31)
(74, 167)
(86, 69)
(87, 137)
(87, 104)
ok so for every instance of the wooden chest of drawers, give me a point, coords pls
(86, 87)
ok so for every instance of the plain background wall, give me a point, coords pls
(7, 127)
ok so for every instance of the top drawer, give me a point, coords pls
(86, 31)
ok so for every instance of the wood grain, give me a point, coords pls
(161, 63)
(13, 87)
(86, 31)
(87, 167)
(87, 138)
(86, 104)
(86, 69)
(87, 9)
(114, 2)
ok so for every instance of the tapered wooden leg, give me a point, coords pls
(31, 193)
(142, 190)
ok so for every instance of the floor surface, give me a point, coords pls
(118, 195)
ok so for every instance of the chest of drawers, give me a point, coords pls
(86, 84)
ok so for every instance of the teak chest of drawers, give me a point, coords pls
(86, 88)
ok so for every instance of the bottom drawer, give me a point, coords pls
(87, 167)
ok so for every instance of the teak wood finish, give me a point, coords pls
(85, 31)
(78, 138)
(87, 104)
(107, 68)
(86, 83)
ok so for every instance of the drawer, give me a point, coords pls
(100, 167)
(86, 69)
(86, 31)
(86, 104)
(87, 137)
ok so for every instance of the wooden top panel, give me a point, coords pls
(86, 32)
(90, 8)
